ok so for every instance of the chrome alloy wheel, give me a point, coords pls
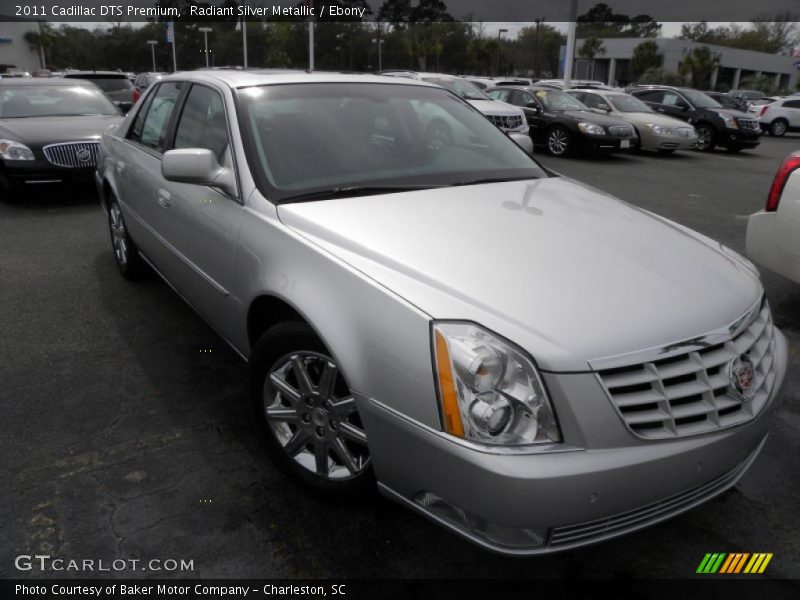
(118, 235)
(705, 137)
(557, 142)
(310, 411)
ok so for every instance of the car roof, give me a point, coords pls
(252, 77)
(45, 81)
(80, 74)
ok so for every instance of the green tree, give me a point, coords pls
(646, 56)
(659, 75)
(698, 66)
(591, 48)
(41, 42)
(601, 21)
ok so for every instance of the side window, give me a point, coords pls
(673, 99)
(592, 100)
(135, 132)
(500, 95)
(520, 98)
(203, 124)
(156, 121)
(656, 96)
(791, 104)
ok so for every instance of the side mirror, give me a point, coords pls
(533, 106)
(197, 166)
(604, 107)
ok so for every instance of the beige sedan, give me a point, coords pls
(656, 132)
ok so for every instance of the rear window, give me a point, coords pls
(110, 83)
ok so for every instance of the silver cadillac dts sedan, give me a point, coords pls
(523, 359)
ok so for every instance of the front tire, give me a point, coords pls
(778, 127)
(706, 138)
(126, 255)
(306, 414)
(558, 141)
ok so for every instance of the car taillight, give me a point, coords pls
(763, 110)
(790, 164)
(136, 95)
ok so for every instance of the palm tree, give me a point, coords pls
(590, 48)
(41, 41)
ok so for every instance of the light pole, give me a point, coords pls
(499, 33)
(379, 41)
(206, 31)
(153, 52)
(536, 48)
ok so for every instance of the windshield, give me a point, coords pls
(317, 138)
(53, 101)
(626, 103)
(466, 89)
(701, 100)
(556, 100)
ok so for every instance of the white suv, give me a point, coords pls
(508, 118)
(781, 116)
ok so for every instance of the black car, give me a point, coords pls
(728, 101)
(563, 125)
(50, 130)
(117, 86)
(715, 125)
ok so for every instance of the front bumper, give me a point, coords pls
(763, 249)
(27, 173)
(589, 489)
(667, 142)
(605, 143)
(739, 138)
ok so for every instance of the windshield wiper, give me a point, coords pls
(492, 180)
(351, 191)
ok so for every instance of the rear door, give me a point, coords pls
(792, 111)
(138, 164)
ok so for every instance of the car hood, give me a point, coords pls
(640, 118)
(40, 131)
(592, 117)
(565, 271)
(495, 107)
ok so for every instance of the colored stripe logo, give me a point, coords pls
(734, 563)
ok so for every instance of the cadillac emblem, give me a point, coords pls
(742, 377)
(83, 155)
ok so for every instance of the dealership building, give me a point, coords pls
(733, 65)
(14, 50)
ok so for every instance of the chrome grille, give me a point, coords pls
(581, 533)
(509, 122)
(684, 132)
(621, 131)
(693, 392)
(75, 155)
(751, 124)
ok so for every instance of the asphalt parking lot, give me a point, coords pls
(125, 431)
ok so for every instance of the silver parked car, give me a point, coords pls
(528, 362)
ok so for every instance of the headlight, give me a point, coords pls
(730, 122)
(489, 391)
(591, 128)
(659, 129)
(11, 150)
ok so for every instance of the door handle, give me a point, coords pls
(164, 198)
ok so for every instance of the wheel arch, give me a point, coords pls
(268, 310)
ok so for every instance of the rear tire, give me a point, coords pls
(778, 127)
(306, 414)
(126, 255)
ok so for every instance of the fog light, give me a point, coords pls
(492, 533)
